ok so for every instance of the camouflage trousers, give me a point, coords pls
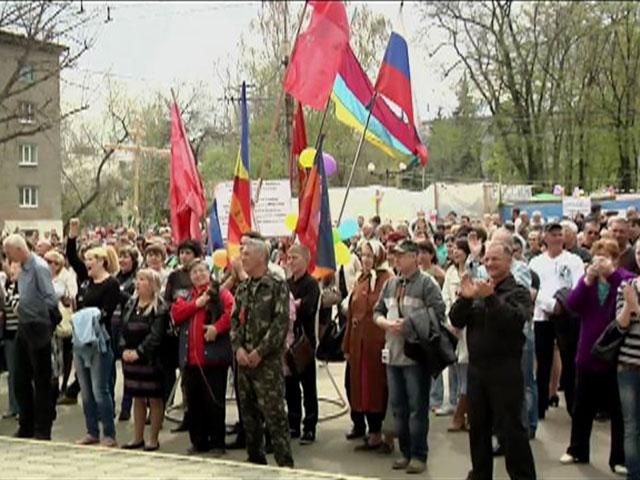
(261, 392)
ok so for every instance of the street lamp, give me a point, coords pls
(402, 166)
(371, 168)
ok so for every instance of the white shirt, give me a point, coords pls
(563, 271)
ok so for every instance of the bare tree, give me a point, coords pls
(95, 148)
(46, 38)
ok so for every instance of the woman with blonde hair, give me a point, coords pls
(66, 290)
(99, 289)
(144, 322)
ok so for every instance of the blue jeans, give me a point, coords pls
(436, 398)
(409, 391)
(10, 360)
(530, 406)
(97, 402)
(629, 387)
(461, 371)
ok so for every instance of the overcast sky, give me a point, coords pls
(149, 46)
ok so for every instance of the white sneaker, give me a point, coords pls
(444, 411)
(567, 459)
(620, 470)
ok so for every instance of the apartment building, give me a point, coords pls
(30, 148)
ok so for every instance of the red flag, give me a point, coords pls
(298, 144)
(187, 199)
(317, 55)
(314, 221)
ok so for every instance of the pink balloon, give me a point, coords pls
(330, 165)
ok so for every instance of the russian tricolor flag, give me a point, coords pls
(394, 78)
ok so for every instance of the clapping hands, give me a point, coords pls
(471, 289)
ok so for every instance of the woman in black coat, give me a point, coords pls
(144, 323)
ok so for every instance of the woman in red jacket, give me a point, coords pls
(205, 356)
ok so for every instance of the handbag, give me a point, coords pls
(300, 354)
(330, 345)
(608, 344)
(65, 328)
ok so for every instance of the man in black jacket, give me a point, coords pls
(306, 292)
(494, 312)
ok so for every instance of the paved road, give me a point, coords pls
(332, 454)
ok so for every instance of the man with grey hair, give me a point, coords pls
(619, 227)
(537, 220)
(259, 325)
(494, 312)
(33, 340)
(570, 234)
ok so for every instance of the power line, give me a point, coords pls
(171, 12)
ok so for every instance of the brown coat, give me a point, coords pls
(364, 342)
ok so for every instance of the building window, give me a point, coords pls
(27, 73)
(28, 197)
(28, 155)
(26, 112)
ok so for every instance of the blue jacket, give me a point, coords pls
(89, 335)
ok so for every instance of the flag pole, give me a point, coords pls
(320, 135)
(357, 156)
(324, 117)
(276, 114)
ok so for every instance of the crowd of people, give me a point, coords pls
(527, 304)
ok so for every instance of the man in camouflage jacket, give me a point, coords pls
(259, 326)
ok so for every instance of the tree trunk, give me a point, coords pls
(625, 161)
(581, 159)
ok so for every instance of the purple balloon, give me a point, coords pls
(330, 165)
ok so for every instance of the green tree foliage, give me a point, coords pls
(560, 82)
(455, 146)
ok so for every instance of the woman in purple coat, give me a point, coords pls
(594, 300)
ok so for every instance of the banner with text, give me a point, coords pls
(268, 215)
(571, 206)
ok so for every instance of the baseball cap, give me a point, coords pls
(406, 246)
(552, 226)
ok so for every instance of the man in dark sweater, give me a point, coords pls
(306, 292)
(494, 312)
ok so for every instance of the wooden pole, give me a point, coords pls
(357, 156)
(136, 189)
(317, 144)
(276, 115)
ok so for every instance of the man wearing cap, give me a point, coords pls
(408, 305)
(558, 270)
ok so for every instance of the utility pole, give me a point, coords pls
(138, 150)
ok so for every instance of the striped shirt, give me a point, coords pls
(10, 305)
(629, 354)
